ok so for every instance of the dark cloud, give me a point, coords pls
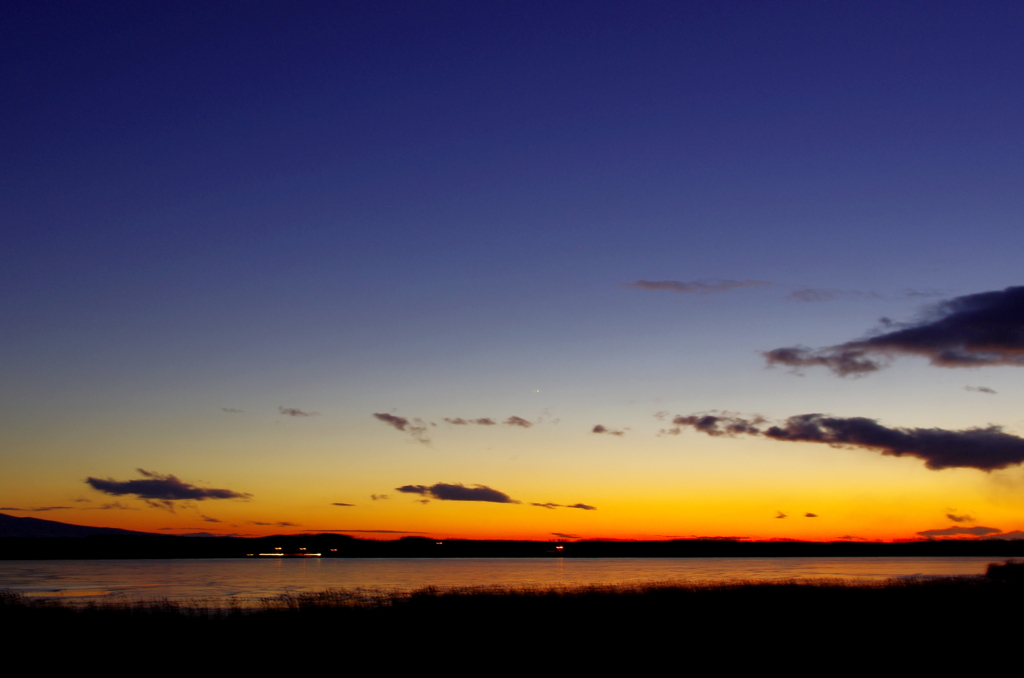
(208, 519)
(38, 509)
(969, 331)
(811, 294)
(960, 532)
(547, 505)
(417, 428)
(612, 432)
(986, 449)
(231, 410)
(722, 424)
(158, 490)
(810, 515)
(378, 497)
(563, 535)
(585, 507)
(373, 531)
(341, 503)
(483, 421)
(780, 514)
(295, 412)
(695, 286)
(980, 389)
(459, 492)
(162, 504)
(960, 519)
(518, 421)
(278, 524)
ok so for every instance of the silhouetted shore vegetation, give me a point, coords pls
(823, 627)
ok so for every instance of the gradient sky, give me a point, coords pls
(235, 232)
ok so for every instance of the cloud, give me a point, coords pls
(278, 524)
(960, 532)
(563, 535)
(341, 503)
(113, 506)
(208, 519)
(379, 497)
(969, 331)
(810, 515)
(980, 389)
(780, 514)
(459, 421)
(295, 412)
(552, 505)
(960, 519)
(160, 490)
(985, 449)
(612, 432)
(231, 410)
(417, 428)
(811, 294)
(1015, 535)
(705, 286)
(518, 421)
(459, 492)
(38, 509)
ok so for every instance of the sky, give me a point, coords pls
(514, 270)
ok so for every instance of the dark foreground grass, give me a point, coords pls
(957, 626)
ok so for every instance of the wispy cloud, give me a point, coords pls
(552, 505)
(604, 429)
(482, 421)
(985, 449)
(780, 514)
(459, 492)
(379, 497)
(812, 294)
(341, 503)
(705, 286)
(978, 531)
(960, 519)
(37, 509)
(969, 331)
(417, 428)
(231, 410)
(518, 421)
(980, 389)
(277, 524)
(295, 412)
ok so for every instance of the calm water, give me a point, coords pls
(258, 578)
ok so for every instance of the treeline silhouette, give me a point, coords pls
(343, 546)
(954, 626)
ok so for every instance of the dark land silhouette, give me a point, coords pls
(955, 626)
(35, 539)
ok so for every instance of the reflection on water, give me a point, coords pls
(259, 578)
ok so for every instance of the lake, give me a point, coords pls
(255, 578)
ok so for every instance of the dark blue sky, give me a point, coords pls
(260, 197)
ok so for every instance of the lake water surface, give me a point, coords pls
(254, 578)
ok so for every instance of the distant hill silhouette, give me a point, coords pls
(12, 526)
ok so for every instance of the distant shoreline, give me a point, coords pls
(343, 546)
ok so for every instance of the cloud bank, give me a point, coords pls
(459, 492)
(985, 449)
(969, 331)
